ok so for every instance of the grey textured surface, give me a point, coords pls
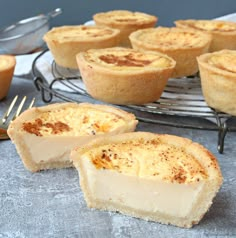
(51, 204)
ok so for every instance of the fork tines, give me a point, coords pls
(18, 110)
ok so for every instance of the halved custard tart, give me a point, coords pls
(162, 178)
(183, 45)
(125, 21)
(223, 32)
(218, 79)
(66, 41)
(44, 136)
(124, 76)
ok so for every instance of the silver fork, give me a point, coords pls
(5, 121)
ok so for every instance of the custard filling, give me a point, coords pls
(163, 179)
(164, 37)
(123, 59)
(214, 25)
(224, 61)
(71, 122)
(159, 160)
(80, 33)
(124, 17)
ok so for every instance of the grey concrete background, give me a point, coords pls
(79, 11)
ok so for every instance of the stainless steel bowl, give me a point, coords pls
(26, 35)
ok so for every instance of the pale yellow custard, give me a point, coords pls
(80, 33)
(224, 61)
(223, 32)
(125, 59)
(73, 121)
(213, 25)
(124, 17)
(169, 38)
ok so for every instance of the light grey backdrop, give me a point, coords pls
(79, 11)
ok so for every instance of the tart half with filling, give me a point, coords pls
(7, 66)
(66, 41)
(124, 76)
(162, 178)
(44, 136)
(125, 21)
(223, 32)
(218, 79)
(183, 45)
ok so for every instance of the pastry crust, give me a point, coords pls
(7, 66)
(124, 76)
(183, 45)
(147, 157)
(223, 32)
(126, 21)
(218, 79)
(66, 41)
(44, 136)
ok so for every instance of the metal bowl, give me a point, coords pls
(26, 35)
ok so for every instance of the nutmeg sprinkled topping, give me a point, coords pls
(127, 60)
(119, 58)
(73, 121)
(157, 159)
(36, 126)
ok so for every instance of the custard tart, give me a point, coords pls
(223, 32)
(67, 41)
(44, 136)
(125, 21)
(123, 75)
(218, 79)
(183, 45)
(7, 67)
(162, 178)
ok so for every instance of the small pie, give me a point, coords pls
(66, 41)
(162, 178)
(218, 79)
(7, 66)
(223, 32)
(44, 136)
(183, 45)
(125, 21)
(123, 75)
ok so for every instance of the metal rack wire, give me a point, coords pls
(181, 104)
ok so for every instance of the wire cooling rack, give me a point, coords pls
(181, 104)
